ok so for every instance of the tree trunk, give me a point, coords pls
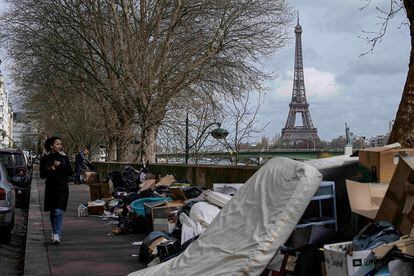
(111, 150)
(122, 148)
(403, 129)
(147, 145)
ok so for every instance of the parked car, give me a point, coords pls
(7, 206)
(19, 172)
(29, 161)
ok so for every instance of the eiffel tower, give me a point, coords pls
(305, 132)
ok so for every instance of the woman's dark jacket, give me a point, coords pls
(57, 189)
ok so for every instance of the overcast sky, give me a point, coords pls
(340, 86)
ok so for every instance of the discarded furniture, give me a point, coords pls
(326, 191)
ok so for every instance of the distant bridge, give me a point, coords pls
(297, 154)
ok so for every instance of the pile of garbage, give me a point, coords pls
(261, 226)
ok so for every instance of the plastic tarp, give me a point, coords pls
(251, 227)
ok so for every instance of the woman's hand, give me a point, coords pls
(51, 168)
(56, 163)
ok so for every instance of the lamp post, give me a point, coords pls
(218, 133)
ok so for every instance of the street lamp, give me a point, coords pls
(218, 133)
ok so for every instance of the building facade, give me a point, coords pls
(6, 117)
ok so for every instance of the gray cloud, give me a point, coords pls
(371, 85)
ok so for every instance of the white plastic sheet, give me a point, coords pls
(189, 228)
(251, 227)
(218, 199)
(201, 215)
(204, 213)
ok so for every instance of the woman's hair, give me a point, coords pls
(50, 141)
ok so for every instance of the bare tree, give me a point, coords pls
(138, 55)
(241, 121)
(403, 129)
(202, 111)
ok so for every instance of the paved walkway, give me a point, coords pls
(85, 249)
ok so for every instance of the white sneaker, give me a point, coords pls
(56, 239)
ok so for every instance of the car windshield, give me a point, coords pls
(10, 159)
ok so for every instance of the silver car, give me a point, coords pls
(7, 206)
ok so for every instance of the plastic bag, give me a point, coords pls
(83, 210)
(374, 235)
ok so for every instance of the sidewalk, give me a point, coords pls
(85, 249)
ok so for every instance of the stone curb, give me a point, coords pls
(36, 261)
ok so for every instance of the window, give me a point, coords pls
(9, 159)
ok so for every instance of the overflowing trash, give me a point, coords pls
(262, 226)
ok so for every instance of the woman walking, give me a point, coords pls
(56, 168)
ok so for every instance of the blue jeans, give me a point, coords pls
(56, 218)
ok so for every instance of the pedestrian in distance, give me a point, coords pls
(82, 164)
(56, 169)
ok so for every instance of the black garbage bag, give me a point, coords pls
(116, 178)
(192, 192)
(374, 235)
(179, 249)
(145, 254)
(131, 197)
(130, 177)
(137, 224)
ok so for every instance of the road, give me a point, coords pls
(12, 254)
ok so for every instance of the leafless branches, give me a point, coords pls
(241, 120)
(135, 57)
(385, 15)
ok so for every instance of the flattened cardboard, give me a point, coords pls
(147, 184)
(365, 198)
(397, 206)
(166, 181)
(405, 244)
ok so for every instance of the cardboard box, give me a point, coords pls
(90, 177)
(96, 208)
(365, 198)
(338, 260)
(177, 193)
(164, 225)
(162, 216)
(397, 206)
(382, 161)
(100, 190)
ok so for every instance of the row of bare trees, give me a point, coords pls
(108, 71)
(237, 115)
